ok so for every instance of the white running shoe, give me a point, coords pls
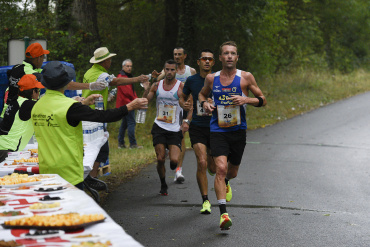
(179, 178)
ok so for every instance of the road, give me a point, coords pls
(302, 182)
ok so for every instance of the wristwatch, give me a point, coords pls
(186, 121)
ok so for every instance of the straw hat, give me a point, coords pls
(101, 54)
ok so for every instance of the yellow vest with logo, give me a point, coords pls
(60, 144)
(91, 76)
(20, 133)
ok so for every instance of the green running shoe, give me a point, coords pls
(206, 207)
(225, 221)
(210, 173)
(229, 192)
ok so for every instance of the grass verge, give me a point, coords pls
(288, 95)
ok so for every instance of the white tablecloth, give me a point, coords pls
(76, 201)
(91, 151)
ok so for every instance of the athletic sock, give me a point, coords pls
(205, 198)
(222, 206)
(226, 181)
(163, 181)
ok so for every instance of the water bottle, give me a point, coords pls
(150, 77)
(140, 116)
(113, 92)
(99, 103)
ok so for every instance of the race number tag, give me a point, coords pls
(166, 113)
(201, 111)
(228, 115)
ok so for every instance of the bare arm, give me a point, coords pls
(185, 101)
(161, 76)
(193, 71)
(149, 94)
(125, 81)
(248, 83)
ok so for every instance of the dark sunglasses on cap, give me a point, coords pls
(204, 59)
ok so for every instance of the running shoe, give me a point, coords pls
(229, 192)
(206, 207)
(210, 173)
(179, 178)
(163, 191)
(225, 221)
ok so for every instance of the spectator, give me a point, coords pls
(102, 61)
(126, 94)
(58, 128)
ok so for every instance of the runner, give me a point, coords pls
(167, 129)
(230, 88)
(199, 130)
(182, 73)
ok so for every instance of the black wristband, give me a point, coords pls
(260, 101)
(202, 103)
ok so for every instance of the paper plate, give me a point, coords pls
(62, 199)
(5, 197)
(5, 218)
(42, 236)
(45, 177)
(83, 237)
(50, 191)
(52, 184)
(45, 210)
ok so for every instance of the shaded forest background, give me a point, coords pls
(273, 35)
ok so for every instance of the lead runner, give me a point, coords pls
(230, 88)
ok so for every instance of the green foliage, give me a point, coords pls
(272, 35)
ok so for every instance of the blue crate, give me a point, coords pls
(4, 82)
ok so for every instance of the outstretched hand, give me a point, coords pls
(91, 99)
(138, 103)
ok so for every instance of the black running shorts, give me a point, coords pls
(230, 144)
(199, 135)
(162, 136)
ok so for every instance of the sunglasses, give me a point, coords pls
(204, 59)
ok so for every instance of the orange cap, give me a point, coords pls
(29, 81)
(35, 50)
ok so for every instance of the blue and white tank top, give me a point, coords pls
(184, 76)
(227, 117)
(168, 108)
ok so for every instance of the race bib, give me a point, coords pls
(228, 115)
(166, 113)
(201, 111)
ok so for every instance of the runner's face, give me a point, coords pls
(170, 71)
(204, 61)
(127, 67)
(179, 56)
(229, 56)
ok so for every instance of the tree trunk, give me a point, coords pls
(64, 15)
(186, 34)
(171, 28)
(85, 14)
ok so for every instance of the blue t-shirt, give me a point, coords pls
(192, 86)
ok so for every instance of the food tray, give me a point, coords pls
(64, 228)
(21, 184)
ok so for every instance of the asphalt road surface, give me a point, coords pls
(302, 182)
